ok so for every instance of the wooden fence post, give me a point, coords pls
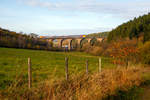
(66, 60)
(86, 66)
(100, 64)
(29, 73)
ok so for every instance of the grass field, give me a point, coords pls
(45, 64)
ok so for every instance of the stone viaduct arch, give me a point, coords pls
(59, 41)
(69, 40)
(88, 40)
(99, 39)
(82, 39)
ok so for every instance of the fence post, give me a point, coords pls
(86, 66)
(100, 64)
(66, 60)
(29, 73)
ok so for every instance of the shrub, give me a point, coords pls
(86, 48)
(97, 51)
(123, 51)
(145, 53)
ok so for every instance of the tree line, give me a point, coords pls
(12, 39)
(138, 27)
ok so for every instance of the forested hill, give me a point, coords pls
(133, 29)
(18, 40)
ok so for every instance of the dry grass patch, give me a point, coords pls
(81, 87)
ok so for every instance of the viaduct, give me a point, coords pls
(79, 40)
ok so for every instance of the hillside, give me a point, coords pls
(100, 34)
(19, 40)
(133, 29)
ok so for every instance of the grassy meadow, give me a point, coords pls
(48, 76)
(45, 64)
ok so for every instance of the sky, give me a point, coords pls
(68, 17)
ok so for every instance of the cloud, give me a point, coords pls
(122, 9)
(107, 15)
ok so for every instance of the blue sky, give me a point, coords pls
(68, 17)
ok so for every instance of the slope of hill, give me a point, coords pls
(100, 34)
(18, 40)
(133, 29)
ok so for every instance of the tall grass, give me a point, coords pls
(95, 86)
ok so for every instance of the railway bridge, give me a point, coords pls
(60, 40)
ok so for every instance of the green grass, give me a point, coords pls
(45, 64)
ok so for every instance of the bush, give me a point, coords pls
(97, 51)
(123, 51)
(145, 53)
(94, 50)
(86, 48)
